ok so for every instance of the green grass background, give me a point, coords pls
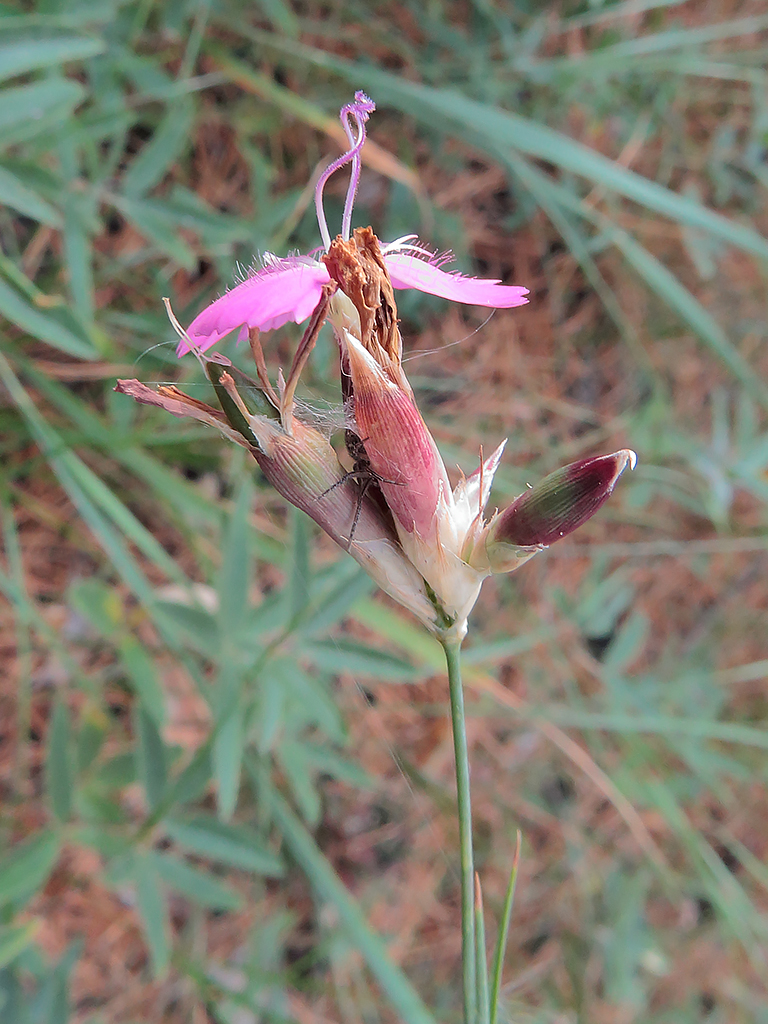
(145, 149)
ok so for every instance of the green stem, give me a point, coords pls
(453, 659)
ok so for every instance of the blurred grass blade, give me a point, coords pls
(235, 575)
(26, 867)
(342, 655)
(153, 910)
(281, 15)
(682, 37)
(294, 105)
(78, 256)
(155, 221)
(169, 140)
(37, 101)
(301, 778)
(192, 781)
(20, 197)
(196, 885)
(675, 725)
(227, 757)
(59, 762)
(14, 939)
(537, 184)
(14, 307)
(501, 939)
(143, 676)
(722, 888)
(661, 281)
(234, 845)
(329, 607)
(150, 758)
(82, 486)
(481, 957)
(20, 55)
(393, 982)
(54, 999)
(299, 580)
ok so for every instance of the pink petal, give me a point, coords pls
(288, 291)
(409, 271)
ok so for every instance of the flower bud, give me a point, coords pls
(553, 508)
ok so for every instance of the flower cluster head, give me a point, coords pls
(427, 544)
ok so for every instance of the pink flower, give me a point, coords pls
(427, 544)
(289, 288)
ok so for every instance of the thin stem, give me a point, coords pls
(453, 659)
(501, 941)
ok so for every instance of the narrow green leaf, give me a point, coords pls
(154, 221)
(192, 781)
(78, 258)
(328, 761)
(481, 958)
(676, 725)
(235, 845)
(196, 626)
(198, 886)
(100, 604)
(312, 694)
(656, 42)
(153, 910)
(105, 499)
(54, 1001)
(45, 328)
(25, 54)
(169, 140)
(59, 762)
(234, 578)
(26, 867)
(143, 677)
(664, 283)
(24, 200)
(661, 281)
(14, 939)
(330, 606)
(91, 736)
(299, 580)
(227, 763)
(150, 757)
(501, 940)
(340, 655)
(35, 101)
(301, 777)
(280, 14)
(398, 990)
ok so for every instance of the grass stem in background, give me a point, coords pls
(501, 941)
(481, 963)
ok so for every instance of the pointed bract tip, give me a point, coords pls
(556, 506)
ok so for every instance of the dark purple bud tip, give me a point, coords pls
(560, 503)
